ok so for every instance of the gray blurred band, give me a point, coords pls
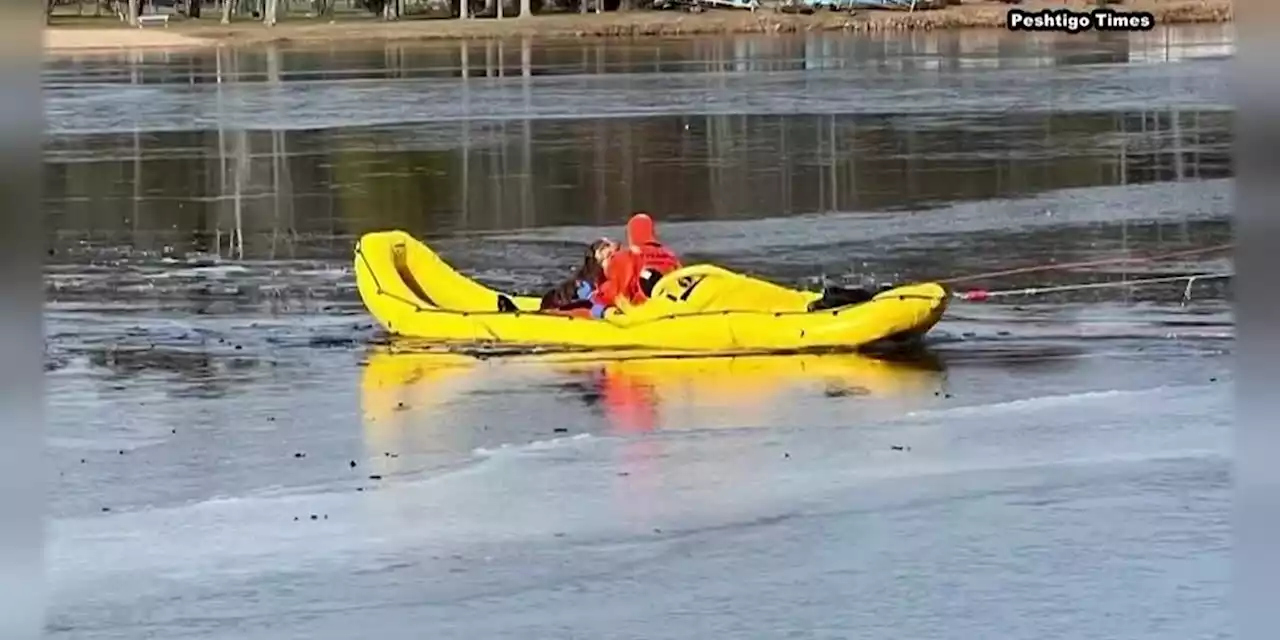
(22, 472)
(1257, 160)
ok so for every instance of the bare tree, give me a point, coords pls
(525, 9)
(227, 5)
(270, 11)
(134, 9)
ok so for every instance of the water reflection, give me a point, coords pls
(261, 194)
(416, 401)
(672, 393)
(948, 50)
(272, 87)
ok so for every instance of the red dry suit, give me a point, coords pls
(642, 262)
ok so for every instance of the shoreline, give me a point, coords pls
(90, 35)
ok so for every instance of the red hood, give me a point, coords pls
(640, 230)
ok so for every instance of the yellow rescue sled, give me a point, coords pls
(701, 308)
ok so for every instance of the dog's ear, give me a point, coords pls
(590, 269)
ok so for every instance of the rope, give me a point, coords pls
(980, 295)
(1088, 263)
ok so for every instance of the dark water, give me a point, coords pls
(1056, 467)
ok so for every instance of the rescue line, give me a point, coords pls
(981, 295)
(1056, 266)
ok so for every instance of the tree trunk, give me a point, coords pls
(227, 5)
(269, 12)
(525, 9)
(135, 8)
(193, 9)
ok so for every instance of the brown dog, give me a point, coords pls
(565, 294)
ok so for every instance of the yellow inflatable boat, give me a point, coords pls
(413, 293)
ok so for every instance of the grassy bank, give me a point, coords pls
(90, 33)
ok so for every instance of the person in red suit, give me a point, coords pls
(632, 272)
